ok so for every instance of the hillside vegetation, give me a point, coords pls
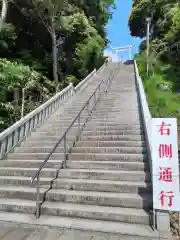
(44, 45)
(163, 83)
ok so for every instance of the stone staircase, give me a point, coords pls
(106, 186)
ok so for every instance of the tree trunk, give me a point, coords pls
(16, 96)
(22, 104)
(3, 13)
(69, 52)
(54, 53)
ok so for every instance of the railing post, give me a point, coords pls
(65, 151)
(88, 108)
(98, 93)
(79, 128)
(38, 198)
(105, 86)
(72, 88)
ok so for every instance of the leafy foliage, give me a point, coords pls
(164, 56)
(13, 78)
(36, 35)
(162, 103)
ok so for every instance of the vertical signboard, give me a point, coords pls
(165, 164)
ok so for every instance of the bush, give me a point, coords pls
(161, 103)
(13, 78)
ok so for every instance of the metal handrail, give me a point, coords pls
(64, 137)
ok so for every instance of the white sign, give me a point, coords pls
(165, 164)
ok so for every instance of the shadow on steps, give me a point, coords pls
(129, 62)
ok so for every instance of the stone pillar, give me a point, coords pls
(163, 224)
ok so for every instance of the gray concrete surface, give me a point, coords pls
(11, 231)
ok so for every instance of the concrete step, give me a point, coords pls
(92, 126)
(43, 144)
(119, 230)
(125, 166)
(112, 132)
(136, 165)
(69, 115)
(113, 111)
(39, 138)
(29, 149)
(138, 150)
(58, 125)
(114, 138)
(117, 105)
(114, 124)
(35, 156)
(129, 200)
(110, 114)
(54, 139)
(62, 120)
(115, 117)
(17, 206)
(111, 106)
(115, 214)
(101, 174)
(105, 104)
(23, 181)
(120, 121)
(65, 119)
(79, 156)
(110, 144)
(18, 192)
(30, 163)
(86, 143)
(80, 184)
(117, 101)
(107, 157)
(44, 133)
(27, 172)
(99, 185)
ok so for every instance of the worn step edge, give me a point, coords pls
(122, 164)
(123, 229)
(113, 175)
(102, 185)
(95, 143)
(115, 214)
(54, 139)
(23, 181)
(101, 171)
(82, 149)
(98, 154)
(61, 181)
(79, 210)
(132, 200)
(101, 143)
(100, 194)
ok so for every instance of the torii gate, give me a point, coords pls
(122, 49)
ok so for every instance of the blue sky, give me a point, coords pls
(118, 31)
